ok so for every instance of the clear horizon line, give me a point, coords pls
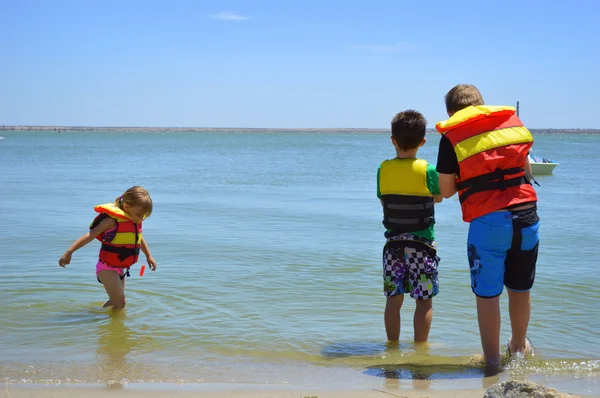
(47, 126)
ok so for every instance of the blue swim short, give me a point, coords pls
(502, 248)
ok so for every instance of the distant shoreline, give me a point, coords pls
(251, 129)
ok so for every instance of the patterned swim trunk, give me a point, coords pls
(410, 266)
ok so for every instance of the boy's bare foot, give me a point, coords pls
(392, 344)
(527, 351)
(477, 359)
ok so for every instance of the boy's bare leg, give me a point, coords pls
(422, 319)
(519, 308)
(392, 317)
(488, 315)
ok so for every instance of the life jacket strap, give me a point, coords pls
(494, 181)
(123, 252)
(407, 213)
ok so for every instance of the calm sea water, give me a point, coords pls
(268, 248)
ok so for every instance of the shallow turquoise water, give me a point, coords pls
(268, 248)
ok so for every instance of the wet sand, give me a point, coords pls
(16, 391)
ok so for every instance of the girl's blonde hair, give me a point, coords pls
(136, 196)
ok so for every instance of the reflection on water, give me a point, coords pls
(408, 361)
(374, 350)
(419, 367)
(422, 376)
(351, 349)
(116, 341)
(426, 372)
(414, 363)
(557, 374)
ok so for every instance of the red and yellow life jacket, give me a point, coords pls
(491, 145)
(120, 247)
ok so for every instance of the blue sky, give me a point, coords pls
(293, 64)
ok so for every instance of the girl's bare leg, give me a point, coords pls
(115, 288)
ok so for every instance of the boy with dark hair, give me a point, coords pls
(408, 188)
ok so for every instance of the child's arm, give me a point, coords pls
(448, 185)
(378, 190)
(102, 226)
(149, 258)
(528, 170)
(447, 168)
(433, 184)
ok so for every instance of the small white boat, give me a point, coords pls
(541, 166)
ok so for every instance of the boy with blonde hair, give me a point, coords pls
(483, 156)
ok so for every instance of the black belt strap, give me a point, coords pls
(493, 186)
(494, 175)
(123, 252)
(491, 182)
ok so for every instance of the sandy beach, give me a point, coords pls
(14, 391)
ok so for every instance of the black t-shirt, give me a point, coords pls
(447, 162)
